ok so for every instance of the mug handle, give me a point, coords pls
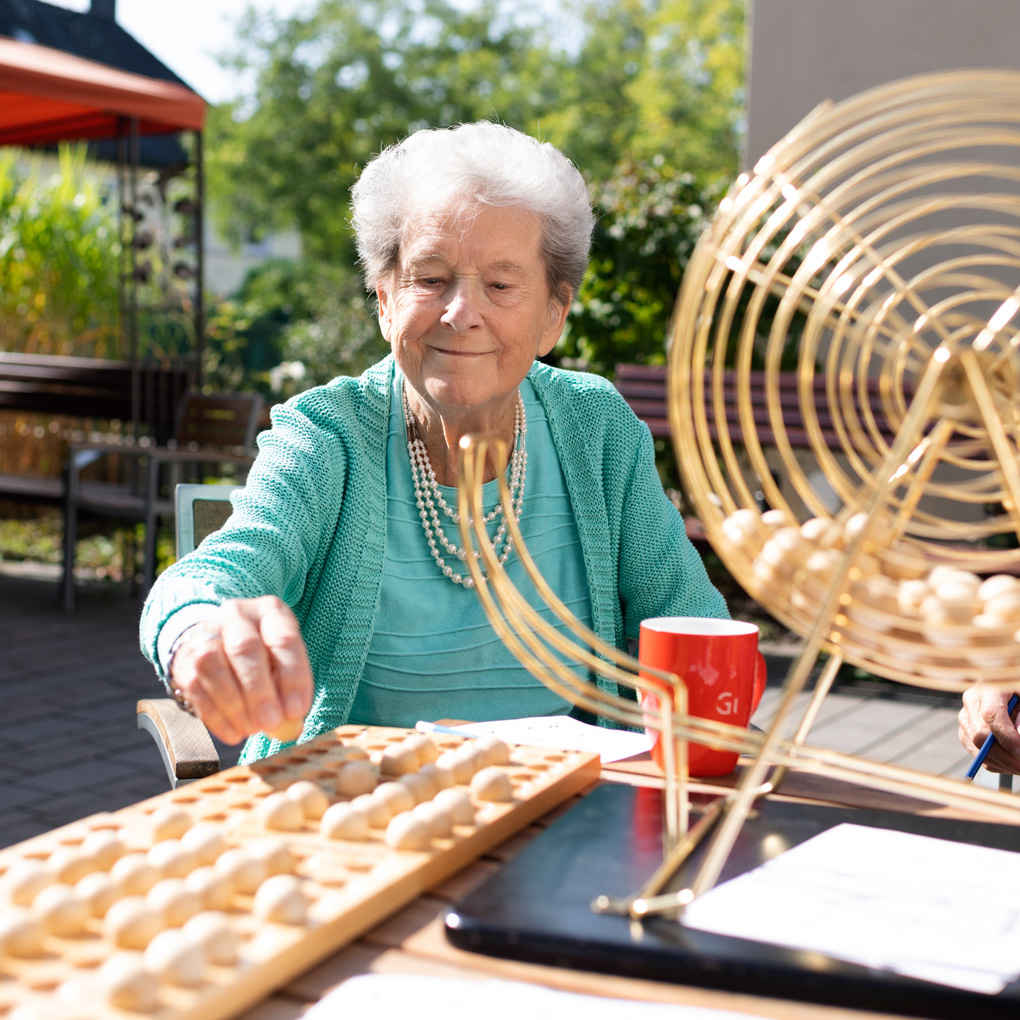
(759, 682)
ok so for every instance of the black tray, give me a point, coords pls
(537, 908)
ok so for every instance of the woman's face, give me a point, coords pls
(468, 309)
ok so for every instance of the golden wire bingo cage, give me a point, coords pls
(874, 253)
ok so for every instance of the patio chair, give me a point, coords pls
(184, 744)
(213, 431)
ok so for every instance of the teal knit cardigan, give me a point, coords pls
(310, 527)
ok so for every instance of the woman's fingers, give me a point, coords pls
(245, 669)
(288, 658)
(984, 711)
(202, 673)
(240, 626)
(218, 722)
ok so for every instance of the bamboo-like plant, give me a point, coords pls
(59, 250)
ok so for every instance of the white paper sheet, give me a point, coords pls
(425, 998)
(927, 908)
(559, 731)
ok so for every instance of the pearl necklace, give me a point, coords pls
(428, 497)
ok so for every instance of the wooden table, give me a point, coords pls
(413, 942)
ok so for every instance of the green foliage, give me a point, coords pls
(644, 78)
(689, 92)
(343, 338)
(336, 86)
(659, 81)
(650, 218)
(40, 539)
(58, 259)
(653, 79)
(293, 324)
(243, 333)
(61, 261)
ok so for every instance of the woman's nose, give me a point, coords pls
(461, 308)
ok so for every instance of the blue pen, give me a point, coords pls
(989, 740)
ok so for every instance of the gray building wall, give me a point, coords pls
(803, 52)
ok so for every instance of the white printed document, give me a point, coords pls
(437, 998)
(557, 731)
(926, 908)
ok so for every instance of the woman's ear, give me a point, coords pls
(558, 309)
(383, 312)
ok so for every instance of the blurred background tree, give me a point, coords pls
(651, 217)
(646, 96)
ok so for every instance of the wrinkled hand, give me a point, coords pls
(245, 669)
(984, 711)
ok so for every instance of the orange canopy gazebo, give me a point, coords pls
(49, 96)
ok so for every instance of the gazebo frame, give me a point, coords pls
(48, 96)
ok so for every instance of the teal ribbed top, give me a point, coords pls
(432, 643)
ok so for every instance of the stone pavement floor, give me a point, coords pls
(69, 745)
(896, 724)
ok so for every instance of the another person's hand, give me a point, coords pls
(984, 711)
(245, 669)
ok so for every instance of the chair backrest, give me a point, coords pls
(201, 510)
(224, 420)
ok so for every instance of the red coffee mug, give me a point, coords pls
(723, 670)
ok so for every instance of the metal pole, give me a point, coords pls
(136, 410)
(122, 259)
(199, 260)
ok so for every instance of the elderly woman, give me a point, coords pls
(335, 593)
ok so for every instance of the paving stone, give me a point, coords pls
(62, 808)
(60, 754)
(16, 830)
(117, 799)
(45, 731)
(17, 712)
(59, 808)
(15, 795)
(83, 808)
(141, 756)
(150, 783)
(117, 714)
(82, 776)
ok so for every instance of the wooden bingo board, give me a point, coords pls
(195, 904)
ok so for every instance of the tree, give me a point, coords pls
(293, 324)
(689, 93)
(644, 95)
(337, 86)
(634, 79)
(651, 218)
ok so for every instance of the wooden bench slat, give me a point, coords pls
(87, 388)
(645, 388)
(42, 488)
